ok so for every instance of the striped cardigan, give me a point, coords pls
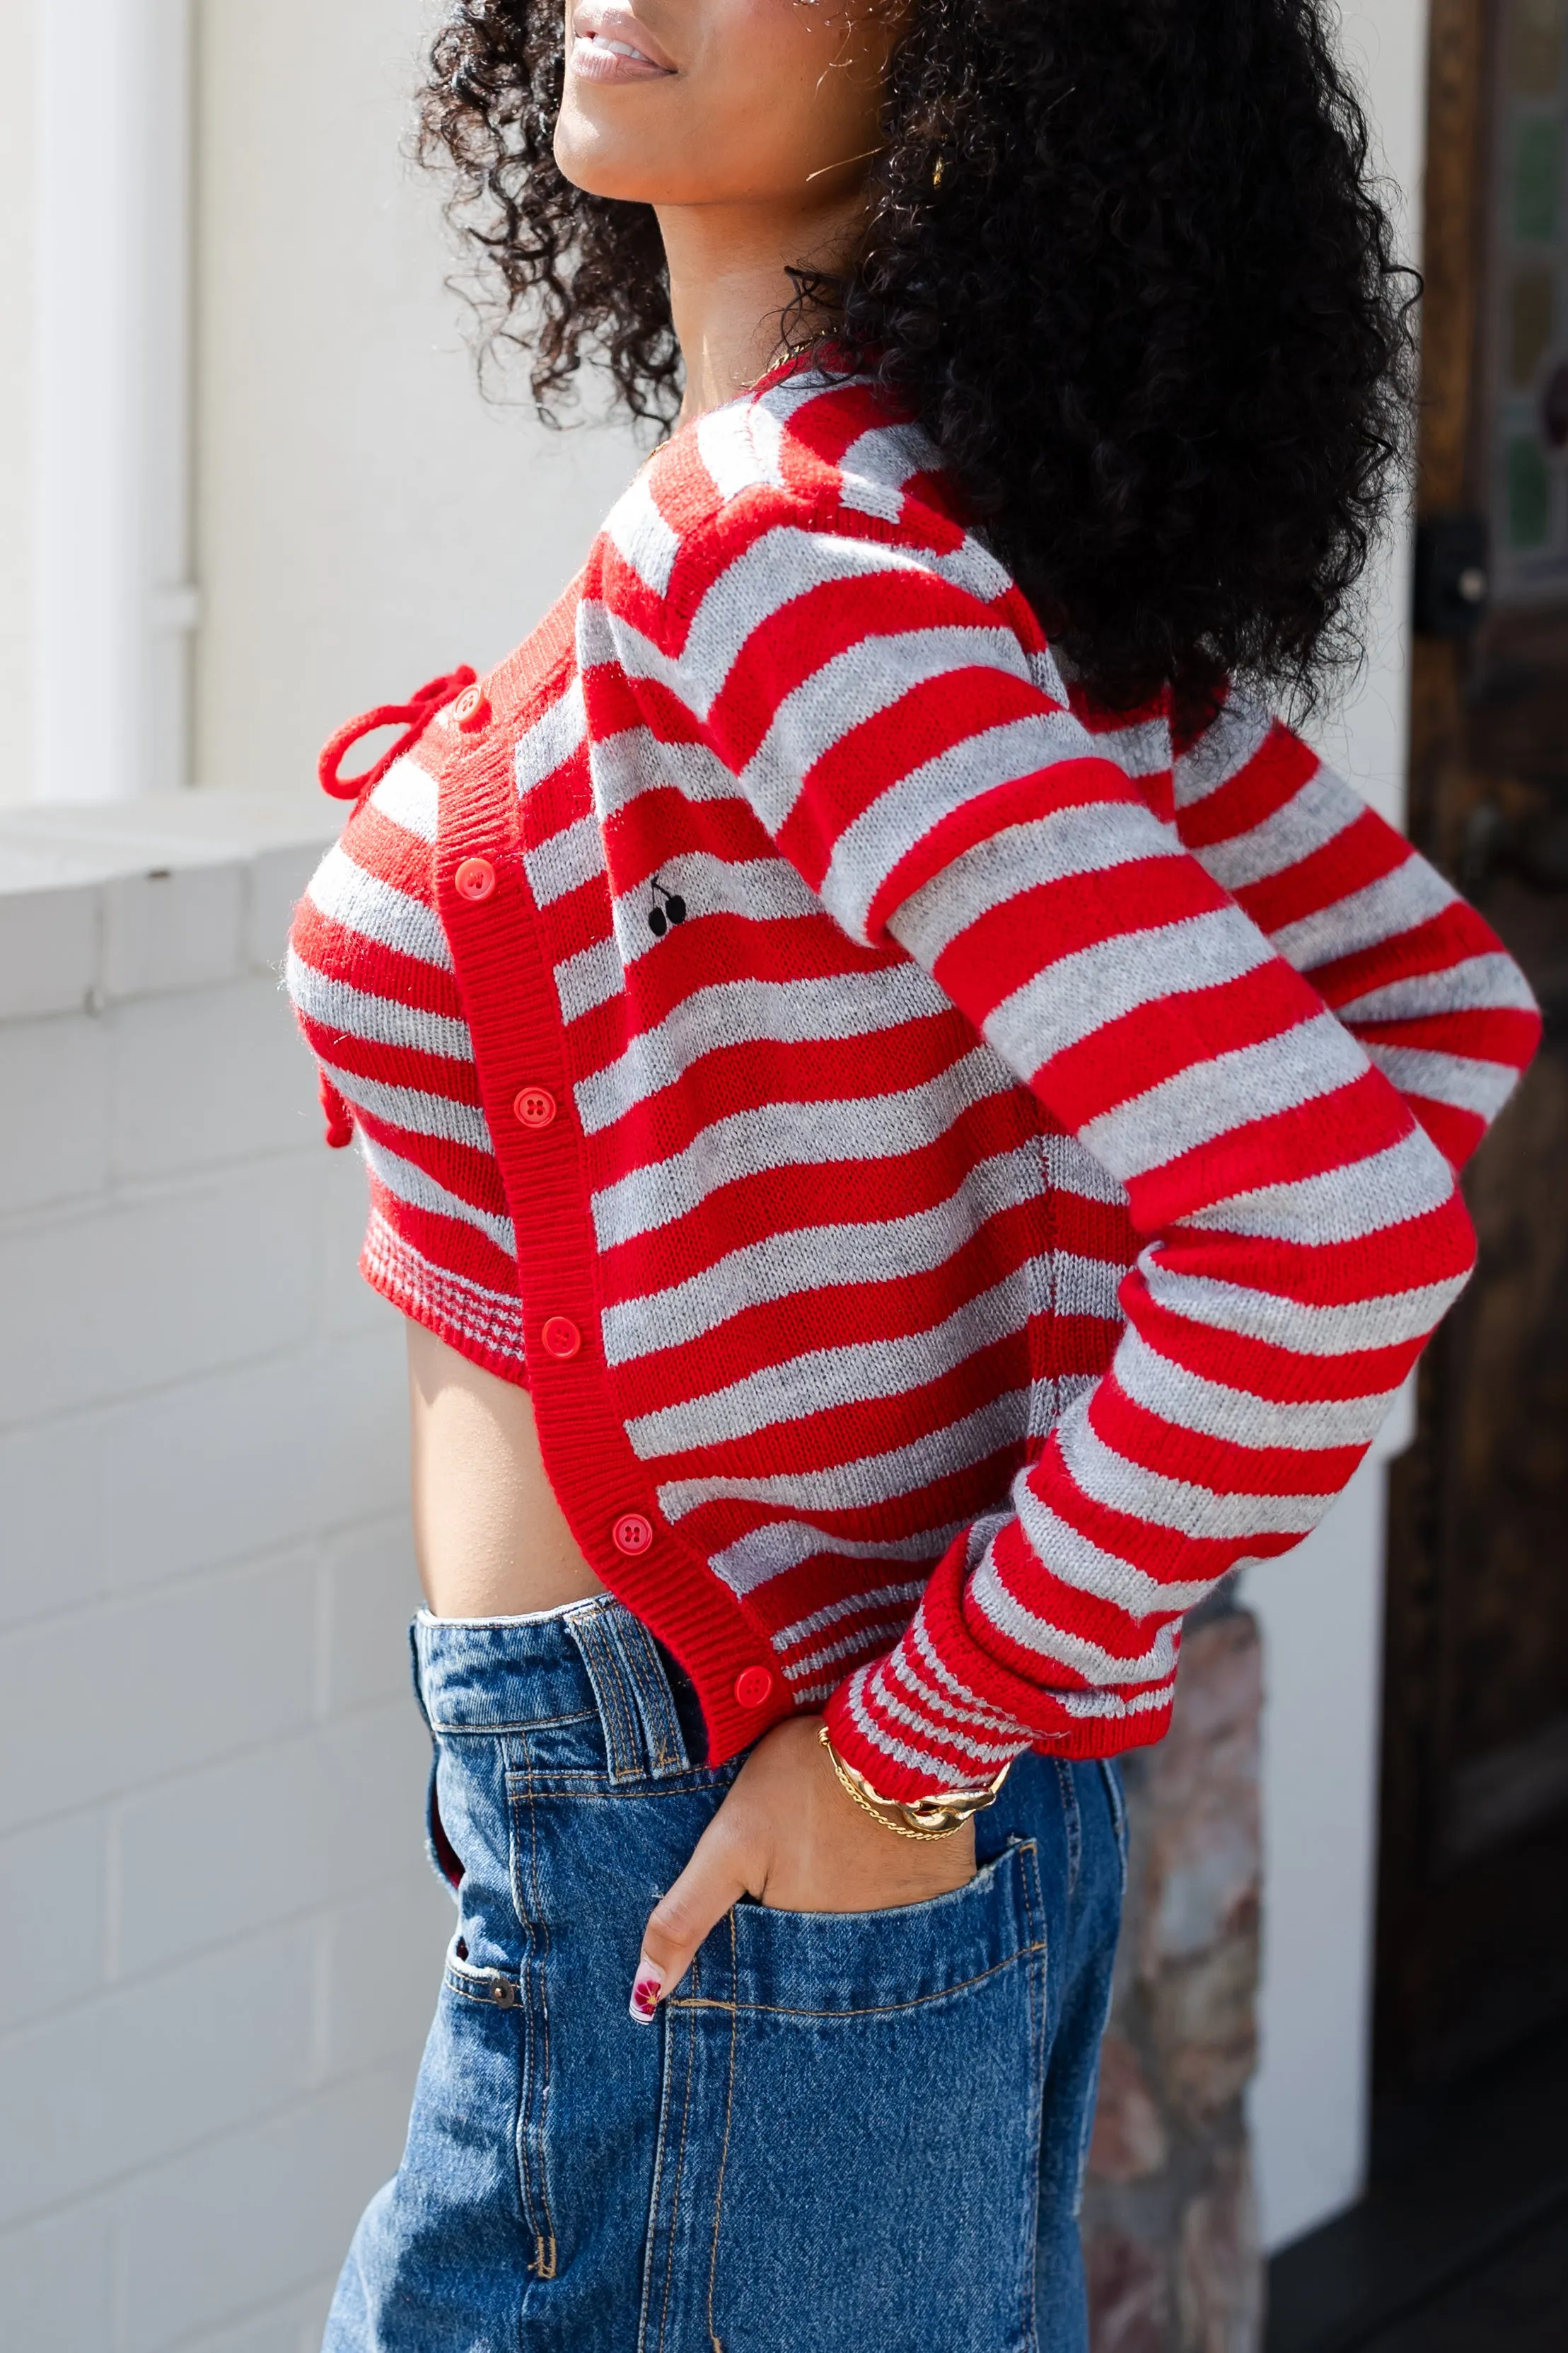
(958, 1172)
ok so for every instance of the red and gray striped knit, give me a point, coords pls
(959, 1173)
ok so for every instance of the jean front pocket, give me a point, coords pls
(848, 2139)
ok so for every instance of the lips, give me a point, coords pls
(609, 45)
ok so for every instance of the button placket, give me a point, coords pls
(537, 1108)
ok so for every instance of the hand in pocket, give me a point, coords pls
(789, 1835)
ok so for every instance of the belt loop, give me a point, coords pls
(637, 1707)
(417, 1666)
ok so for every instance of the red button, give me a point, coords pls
(475, 878)
(632, 1533)
(752, 1688)
(536, 1106)
(561, 1336)
(470, 710)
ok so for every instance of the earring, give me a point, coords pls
(936, 175)
(673, 911)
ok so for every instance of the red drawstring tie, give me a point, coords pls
(411, 717)
(340, 1118)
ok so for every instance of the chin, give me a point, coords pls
(600, 165)
(600, 171)
(597, 178)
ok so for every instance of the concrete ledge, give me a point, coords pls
(112, 900)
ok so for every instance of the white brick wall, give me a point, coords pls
(219, 1939)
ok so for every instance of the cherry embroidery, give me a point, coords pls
(672, 912)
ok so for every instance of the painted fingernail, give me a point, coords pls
(647, 1986)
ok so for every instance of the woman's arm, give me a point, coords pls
(1395, 952)
(1303, 1235)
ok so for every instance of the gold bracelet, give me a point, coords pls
(937, 1816)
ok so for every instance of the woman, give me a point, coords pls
(914, 1126)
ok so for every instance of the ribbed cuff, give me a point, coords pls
(906, 1749)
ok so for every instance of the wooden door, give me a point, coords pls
(1473, 1900)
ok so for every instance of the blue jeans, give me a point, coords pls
(863, 2132)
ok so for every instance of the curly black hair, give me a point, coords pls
(1148, 307)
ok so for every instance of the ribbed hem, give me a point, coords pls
(483, 1326)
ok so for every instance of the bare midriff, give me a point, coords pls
(489, 1536)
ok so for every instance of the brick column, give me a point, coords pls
(1169, 2232)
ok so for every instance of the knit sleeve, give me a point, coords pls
(1393, 950)
(890, 721)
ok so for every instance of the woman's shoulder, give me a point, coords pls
(824, 442)
(805, 455)
(818, 446)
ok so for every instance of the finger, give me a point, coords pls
(711, 1883)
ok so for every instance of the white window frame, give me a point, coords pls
(115, 606)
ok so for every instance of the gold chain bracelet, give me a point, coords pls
(938, 1816)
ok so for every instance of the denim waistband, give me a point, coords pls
(593, 1658)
